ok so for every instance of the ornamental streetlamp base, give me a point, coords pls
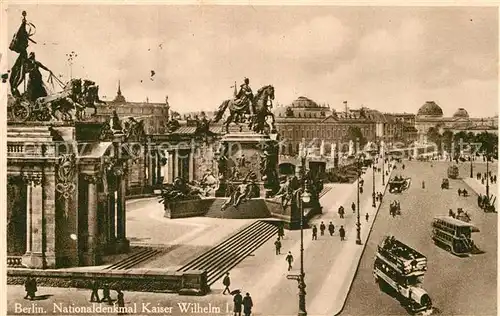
(302, 313)
(358, 242)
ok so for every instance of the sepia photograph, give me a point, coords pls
(210, 159)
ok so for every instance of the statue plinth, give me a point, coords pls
(248, 158)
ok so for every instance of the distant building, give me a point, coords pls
(431, 115)
(154, 115)
(305, 120)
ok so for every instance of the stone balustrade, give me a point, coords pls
(14, 261)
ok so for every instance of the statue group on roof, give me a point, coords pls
(36, 103)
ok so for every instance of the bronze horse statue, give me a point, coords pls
(76, 96)
(261, 104)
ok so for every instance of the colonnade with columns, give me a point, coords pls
(166, 165)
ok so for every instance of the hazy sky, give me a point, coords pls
(387, 58)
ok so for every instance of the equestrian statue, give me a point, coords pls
(254, 110)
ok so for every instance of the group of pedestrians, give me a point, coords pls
(484, 176)
(331, 230)
(106, 294)
(238, 300)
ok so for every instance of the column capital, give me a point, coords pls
(33, 178)
(91, 178)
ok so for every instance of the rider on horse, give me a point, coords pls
(245, 96)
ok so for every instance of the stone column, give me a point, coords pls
(35, 254)
(121, 229)
(176, 164)
(92, 256)
(191, 166)
(29, 213)
(158, 168)
(170, 170)
(49, 218)
(111, 220)
(149, 162)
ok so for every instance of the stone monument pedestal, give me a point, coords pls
(249, 158)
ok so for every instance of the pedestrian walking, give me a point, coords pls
(277, 245)
(342, 233)
(315, 233)
(331, 228)
(322, 228)
(423, 184)
(341, 211)
(120, 301)
(367, 217)
(281, 231)
(459, 192)
(247, 305)
(289, 259)
(226, 282)
(94, 297)
(237, 300)
(353, 207)
(106, 294)
(30, 288)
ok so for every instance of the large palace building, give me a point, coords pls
(305, 120)
(431, 115)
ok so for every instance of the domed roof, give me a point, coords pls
(430, 108)
(461, 112)
(303, 102)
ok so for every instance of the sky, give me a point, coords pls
(392, 59)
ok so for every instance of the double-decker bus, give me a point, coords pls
(453, 235)
(401, 268)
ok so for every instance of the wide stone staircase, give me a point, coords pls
(226, 255)
(141, 256)
(253, 208)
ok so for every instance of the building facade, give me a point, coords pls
(305, 120)
(430, 115)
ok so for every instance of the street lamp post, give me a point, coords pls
(487, 176)
(302, 196)
(305, 198)
(358, 223)
(471, 172)
(373, 193)
(383, 171)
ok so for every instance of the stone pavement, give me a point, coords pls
(343, 272)
(329, 264)
(480, 188)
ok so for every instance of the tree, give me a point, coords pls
(447, 140)
(354, 133)
(488, 141)
(433, 136)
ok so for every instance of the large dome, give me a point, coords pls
(303, 102)
(430, 108)
(461, 112)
